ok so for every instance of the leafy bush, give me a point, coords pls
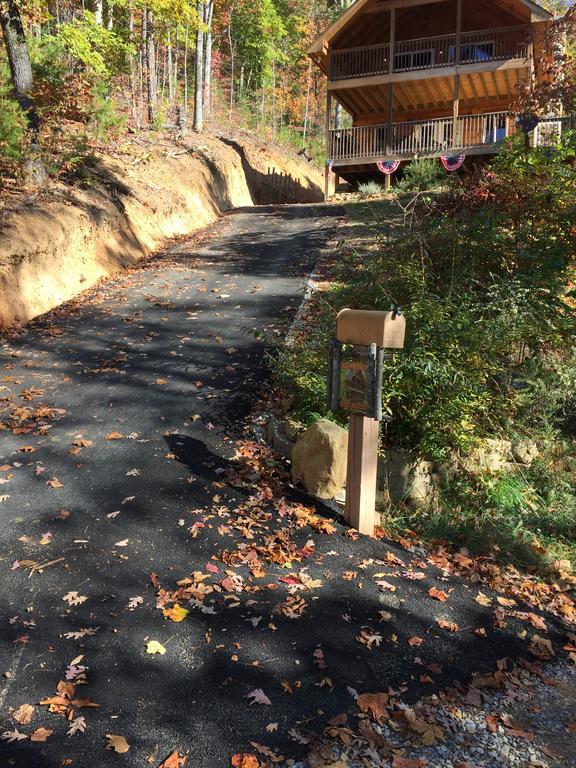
(369, 189)
(484, 279)
(422, 175)
(101, 51)
(105, 119)
(12, 122)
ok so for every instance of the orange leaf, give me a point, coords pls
(438, 594)
(175, 760)
(415, 641)
(114, 436)
(245, 761)
(451, 626)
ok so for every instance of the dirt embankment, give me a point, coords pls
(127, 205)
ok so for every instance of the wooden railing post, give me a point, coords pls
(458, 32)
(456, 110)
(392, 39)
(328, 137)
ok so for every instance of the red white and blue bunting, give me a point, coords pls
(388, 167)
(452, 162)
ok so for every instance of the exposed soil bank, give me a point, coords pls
(125, 206)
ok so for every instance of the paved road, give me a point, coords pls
(166, 357)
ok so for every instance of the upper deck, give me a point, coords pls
(477, 50)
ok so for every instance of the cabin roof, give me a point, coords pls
(318, 46)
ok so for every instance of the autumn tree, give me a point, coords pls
(22, 81)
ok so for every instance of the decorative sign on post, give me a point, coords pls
(355, 385)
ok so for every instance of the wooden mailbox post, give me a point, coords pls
(355, 385)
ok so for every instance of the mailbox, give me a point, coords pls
(357, 359)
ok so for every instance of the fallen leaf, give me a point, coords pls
(375, 704)
(123, 543)
(415, 641)
(438, 594)
(176, 613)
(451, 626)
(15, 735)
(483, 599)
(153, 646)
(73, 598)
(257, 696)
(78, 725)
(114, 436)
(492, 723)
(41, 734)
(244, 761)
(402, 762)
(117, 743)
(174, 760)
(24, 714)
(541, 647)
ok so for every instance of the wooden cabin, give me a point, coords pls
(427, 78)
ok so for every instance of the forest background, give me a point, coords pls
(75, 74)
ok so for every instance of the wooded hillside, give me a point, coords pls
(74, 75)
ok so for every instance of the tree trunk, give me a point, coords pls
(183, 121)
(207, 70)
(170, 65)
(151, 86)
(199, 70)
(99, 11)
(21, 72)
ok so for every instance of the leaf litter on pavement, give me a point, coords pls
(312, 610)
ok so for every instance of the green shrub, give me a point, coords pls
(369, 189)
(12, 123)
(422, 175)
(105, 119)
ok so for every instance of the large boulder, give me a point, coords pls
(319, 459)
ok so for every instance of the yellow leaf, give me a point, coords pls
(176, 613)
(153, 646)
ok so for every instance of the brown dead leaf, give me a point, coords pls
(415, 641)
(438, 594)
(492, 723)
(541, 647)
(451, 626)
(41, 734)
(24, 714)
(375, 704)
(117, 743)
(114, 436)
(403, 762)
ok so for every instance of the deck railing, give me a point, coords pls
(432, 138)
(431, 53)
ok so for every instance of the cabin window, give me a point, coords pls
(413, 60)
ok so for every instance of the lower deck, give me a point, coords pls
(469, 134)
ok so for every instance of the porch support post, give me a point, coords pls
(390, 105)
(328, 145)
(456, 111)
(392, 39)
(458, 31)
